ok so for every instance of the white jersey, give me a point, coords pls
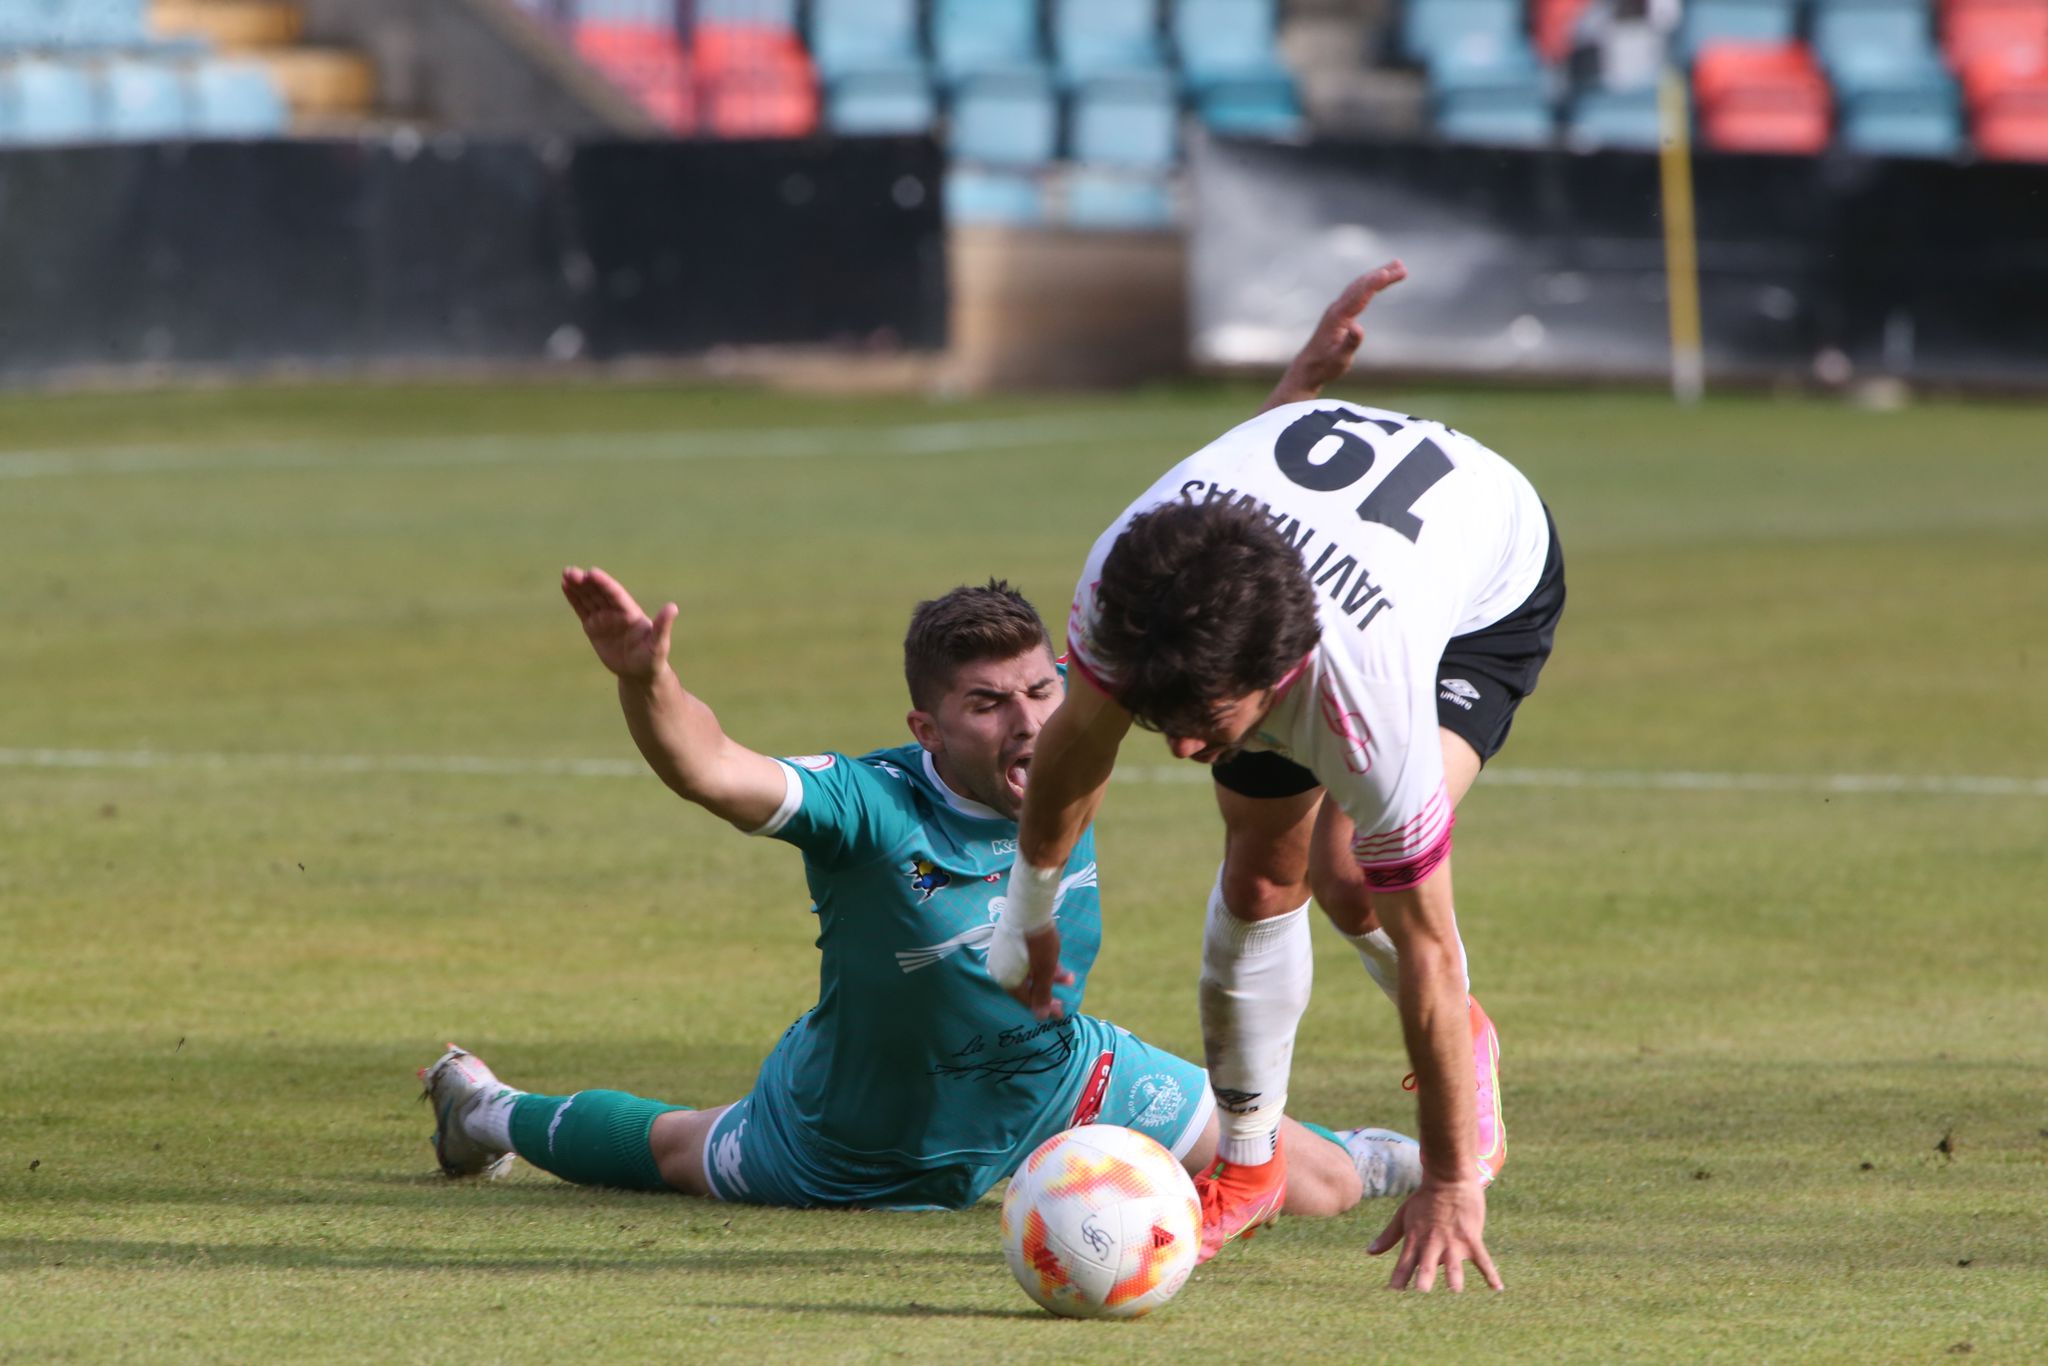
(1411, 533)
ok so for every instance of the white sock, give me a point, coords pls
(489, 1118)
(1383, 961)
(1256, 977)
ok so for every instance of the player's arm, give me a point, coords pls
(1443, 1223)
(1070, 768)
(677, 733)
(1329, 350)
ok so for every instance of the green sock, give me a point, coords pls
(594, 1138)
(1318, 1130)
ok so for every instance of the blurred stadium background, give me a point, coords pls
(781, 308)
(983, 193)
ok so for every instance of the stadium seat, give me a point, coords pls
(1501, 116)
(99, 23)
(1754, 22)
(1005, 119)
(872, 102)
(1761, 98)
(2013, 134)
(1483, 60)
(1883, 123)
(1479, 25)
(753, 81)
(48, 101)
(975, 37)
(1551, 27)
(235, 99)
(647, 62)
(1125, 121)
(142, 100)
(1251, 106)
(994, 197)
(1093, 38)
(1878, 45)
(1099, 199)
(864, 35)
(764, 13)
(1623, 119)
(1225, 40)
(1971, 29)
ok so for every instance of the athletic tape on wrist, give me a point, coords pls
(1028, 906)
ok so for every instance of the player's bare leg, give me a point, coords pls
(1340, 889)
(678, 1140)
(1257, 968)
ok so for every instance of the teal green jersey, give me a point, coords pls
(912, 1051)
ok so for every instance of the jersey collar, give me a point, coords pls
(966, 806)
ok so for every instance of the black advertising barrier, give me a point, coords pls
(352, 252)
(1551, 263)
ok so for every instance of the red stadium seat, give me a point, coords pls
(1977, 28)
(2013, 134)
(755, 81)
(1550, 25)
(1987, 76)
(1758, 98)
(648, 63)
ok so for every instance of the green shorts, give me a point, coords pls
(760, 1153)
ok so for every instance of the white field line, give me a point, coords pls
(370, 452)
(1656, 780)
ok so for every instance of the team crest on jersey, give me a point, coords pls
(1156, 1099)
(927, 877)
(816, 763)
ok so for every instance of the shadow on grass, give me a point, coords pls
(911, 1309)
(103, 1253)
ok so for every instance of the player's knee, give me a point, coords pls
(1343, 896)
(1253, 893)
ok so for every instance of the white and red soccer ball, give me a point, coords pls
(1101, 1222)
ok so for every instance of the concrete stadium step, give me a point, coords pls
(230, 25)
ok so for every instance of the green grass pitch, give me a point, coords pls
(290, 721)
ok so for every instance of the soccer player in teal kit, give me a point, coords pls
(915, 1081)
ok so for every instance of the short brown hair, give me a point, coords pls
(1199, 604)
(966, 626)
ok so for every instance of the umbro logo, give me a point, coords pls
(1457, 692)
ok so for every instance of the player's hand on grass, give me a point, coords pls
(627, 640)
(1330, 349)
(1028, 967)
(1439, 1226)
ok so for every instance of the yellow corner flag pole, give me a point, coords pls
(1681, 243)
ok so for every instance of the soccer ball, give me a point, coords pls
(1101, 1223)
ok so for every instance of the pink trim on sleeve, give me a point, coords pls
(1398, 859)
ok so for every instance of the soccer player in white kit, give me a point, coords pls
(1328, 598)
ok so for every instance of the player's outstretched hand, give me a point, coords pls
(1441, 1225)
(1330, 349)
(627, 640)
(1028, 967)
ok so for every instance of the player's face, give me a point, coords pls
(1227, 730)
(984, 730)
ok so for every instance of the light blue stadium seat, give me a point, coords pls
(1873, 45)
(1224, 40)
(1627, 120)
(777, 13)
(1101, 199)
(1005, 119)
(1000, 197)
(235, 99)
(1736, 21)
(1105, 38)
(971, 37)
(864, 35)
(48, 101)
(1503, 116)
(1251, 106)
(1428, 25)
(142, 100)
(1483, 60)
(1903, 123)
(651, 12)
(898, 101)
(1128, 121)
(99, 23)
(29, 23)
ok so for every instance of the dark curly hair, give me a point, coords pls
(1199, 604)
(966, 626)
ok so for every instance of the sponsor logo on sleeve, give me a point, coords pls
(1457, 692)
